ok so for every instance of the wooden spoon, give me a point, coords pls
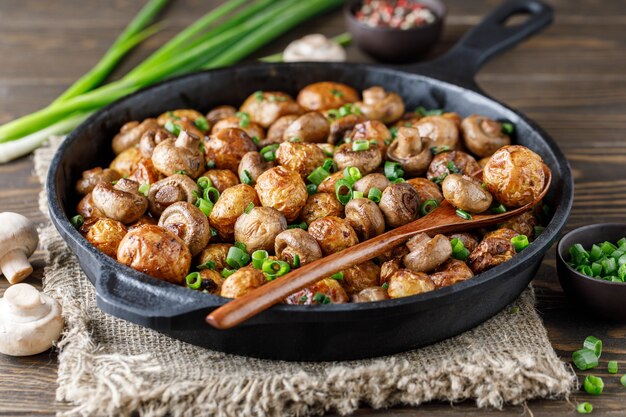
(441, 220)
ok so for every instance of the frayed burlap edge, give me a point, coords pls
(100, 383)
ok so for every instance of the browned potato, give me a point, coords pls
(146, 173)
(514, 175)
(276, 131)
(227, 147)
(454, 162)
(252, 129)
(494, 249)
(94, 176)
(370, 294)
(221, 178)
(189, 223)
(87, 208)
(157, 252)
(426, 189)
(365, 218)
(372, 130)
(231, 204)
(131, 133)
(310, 127)
(469, 240)
(370, 181)
(483, 136)
(297, 242)
(219, 113)
(177, 115)
(524, 224)
(366, 161)
(320, 205)
(283, 190)
(405, 283)
(216, 253)
(106, 235)
(382, 105)
(211, 282)
(330, 292)
(300, 157)
(400, 204)
(388, 268)
(397, 252)
(426, 253)
(126, 162)
(451, 272)
(483, 161)
(466, 193)
(326, 95)
(266, 107)
(441, 130)
(258, 228)
(242, 282)
(360, 277)
(333, 234)
(182, 154)
(328, 185)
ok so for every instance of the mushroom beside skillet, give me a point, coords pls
(180, 155)
(189, 223)
(297, 242)
(314, 47)
(168, 191)
(483, 136)
(411, 151)
(122, 202)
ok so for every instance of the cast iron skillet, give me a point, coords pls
(324, 332)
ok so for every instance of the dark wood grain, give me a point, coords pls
(571, 80)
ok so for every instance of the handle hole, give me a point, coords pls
(517, 19)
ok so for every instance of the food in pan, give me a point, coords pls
(225, 202)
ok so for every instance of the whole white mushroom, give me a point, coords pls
(30, 321)
(315, 47)
(18, 240)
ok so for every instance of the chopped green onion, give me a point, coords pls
(193, 280)
(205, 206)
(585, 359)
(613, 367)
(385, 285)
(311, 189)
(321, 298)
(459, 251)
(144, 189)
(578, 254)
(595, 253)
(374, 194)
(77, 221)
(241, 246)
(211, 194)
(337, 276)
(453, 168)
(329, 165)
(584, 408)
(539, 230)
(341, 185)
(202, 123)
(498, 209)
(593, 385)
(210, 164)
(255, 139)
(360, 145)
(302, 226)
(428, 206)
(607, 248)
(273, 98)
(398, 180)
(421, 110)
(249, 207)
(204, 182)
(336, 93)
(228, 272)
(622, 380)
(394, 132)
(213, 232)
(357, 194)
(244, 118)
(275, 269)
(258, 95)
(508, 128)
(520, 242)
(596, 269)
(269, 152)
(181, 172)
(585, 270)
(258, 258)
(352, 174)
(237, 258)
(172, 127)
(608, 266)
(593, 344)
(436, 150)
(393, 170)
(318, 175)
(295, 139)
(296, 260)
(245, 177)
(463, 214)
(207, 265)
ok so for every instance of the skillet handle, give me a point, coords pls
(488, 39)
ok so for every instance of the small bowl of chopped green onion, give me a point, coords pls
(591, 263)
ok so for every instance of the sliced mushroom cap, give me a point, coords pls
(320, 205)
(405, 283)
(333, 234)
(330, 289)
(342, 127)
(252, 129)
(276, 131)
(366, 161)
(131, 133)
(189, 223)
(265, 107)
(252, 165)
(451, 272)
(400, 204)
(440, 130)
(227, 147)
(411, 151)
(483, 136)
(242, 282)
(365, 218)
(168, 191)
(258, 228)
(426, 189)
(219, 113)
(94, 176)
(221, 178)
(326, 95)
(428, 254)
(382, 105)
(297, 242)
(466, 193)
(370, 294)
(183, 154)
(122, 202)
(372, 130)
(310, 127)
(299, 157)
(370, 181)
(283, 190)
(454, 162)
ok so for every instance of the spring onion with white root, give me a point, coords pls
(221, 37)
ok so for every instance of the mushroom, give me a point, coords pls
(370, 294)
(131, 133)
(466, 193)
(30, 321)
(169, 190)
(342, 127)
(314, 47)
(426, 189)
(258, 228)
(145, 173)
(325, 291)
(453, 162)
(372, 130)
(252, 129)
(18, 240)
(365, 218)
(122, 202)
(215, 253)
(276, 131)
(400, 204)
(297, 242)
(178, 115)
(310, 127)
(94, 176)
(494, 249)
(189, 223)
(219, 113)
(252, 165)
(451, 272)
(441, 130)
(302, 158)
(231, 204)
(183, 154)
(366, 161)
(360, 277)
(370, 181)
(151, 139)
(483, 136)
(411, 151)
(426, 253)
(382, 105)
(87, 208)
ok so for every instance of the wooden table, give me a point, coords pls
(571, 80)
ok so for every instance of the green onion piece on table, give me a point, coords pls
(593, 344)
(613, 367)
(258, 257)
(585, 359)
(428, 206)
(622, 380)
(374, 194)
(520, 242)
(193, 280)
(584, 408)
(593, 385)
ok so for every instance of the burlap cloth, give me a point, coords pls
(111, 367)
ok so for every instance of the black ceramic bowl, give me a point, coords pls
(605, 298)
(396, 45)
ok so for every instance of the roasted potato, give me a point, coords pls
(231, 204)
(283, 190)
(451, 272)
(333, 234)
(370, 294)
(126, 162)
(328, 185)
(300, 157)
(221, 178)
(360, 277)
(227, 147)
(426, 189)
(524, 224)
(320, 205)
(266, 107)
(87, 208)
(454, 162)
(326, 95)
(146, 173)
(404, 283)
(326, 291)
(258, 228)
(106, 235)
(242, 282)
(494, 249)
(215, 253)
(466, 193)
(252, 129)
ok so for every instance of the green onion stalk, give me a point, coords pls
(200, 46)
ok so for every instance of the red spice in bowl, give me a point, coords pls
(397, 14)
